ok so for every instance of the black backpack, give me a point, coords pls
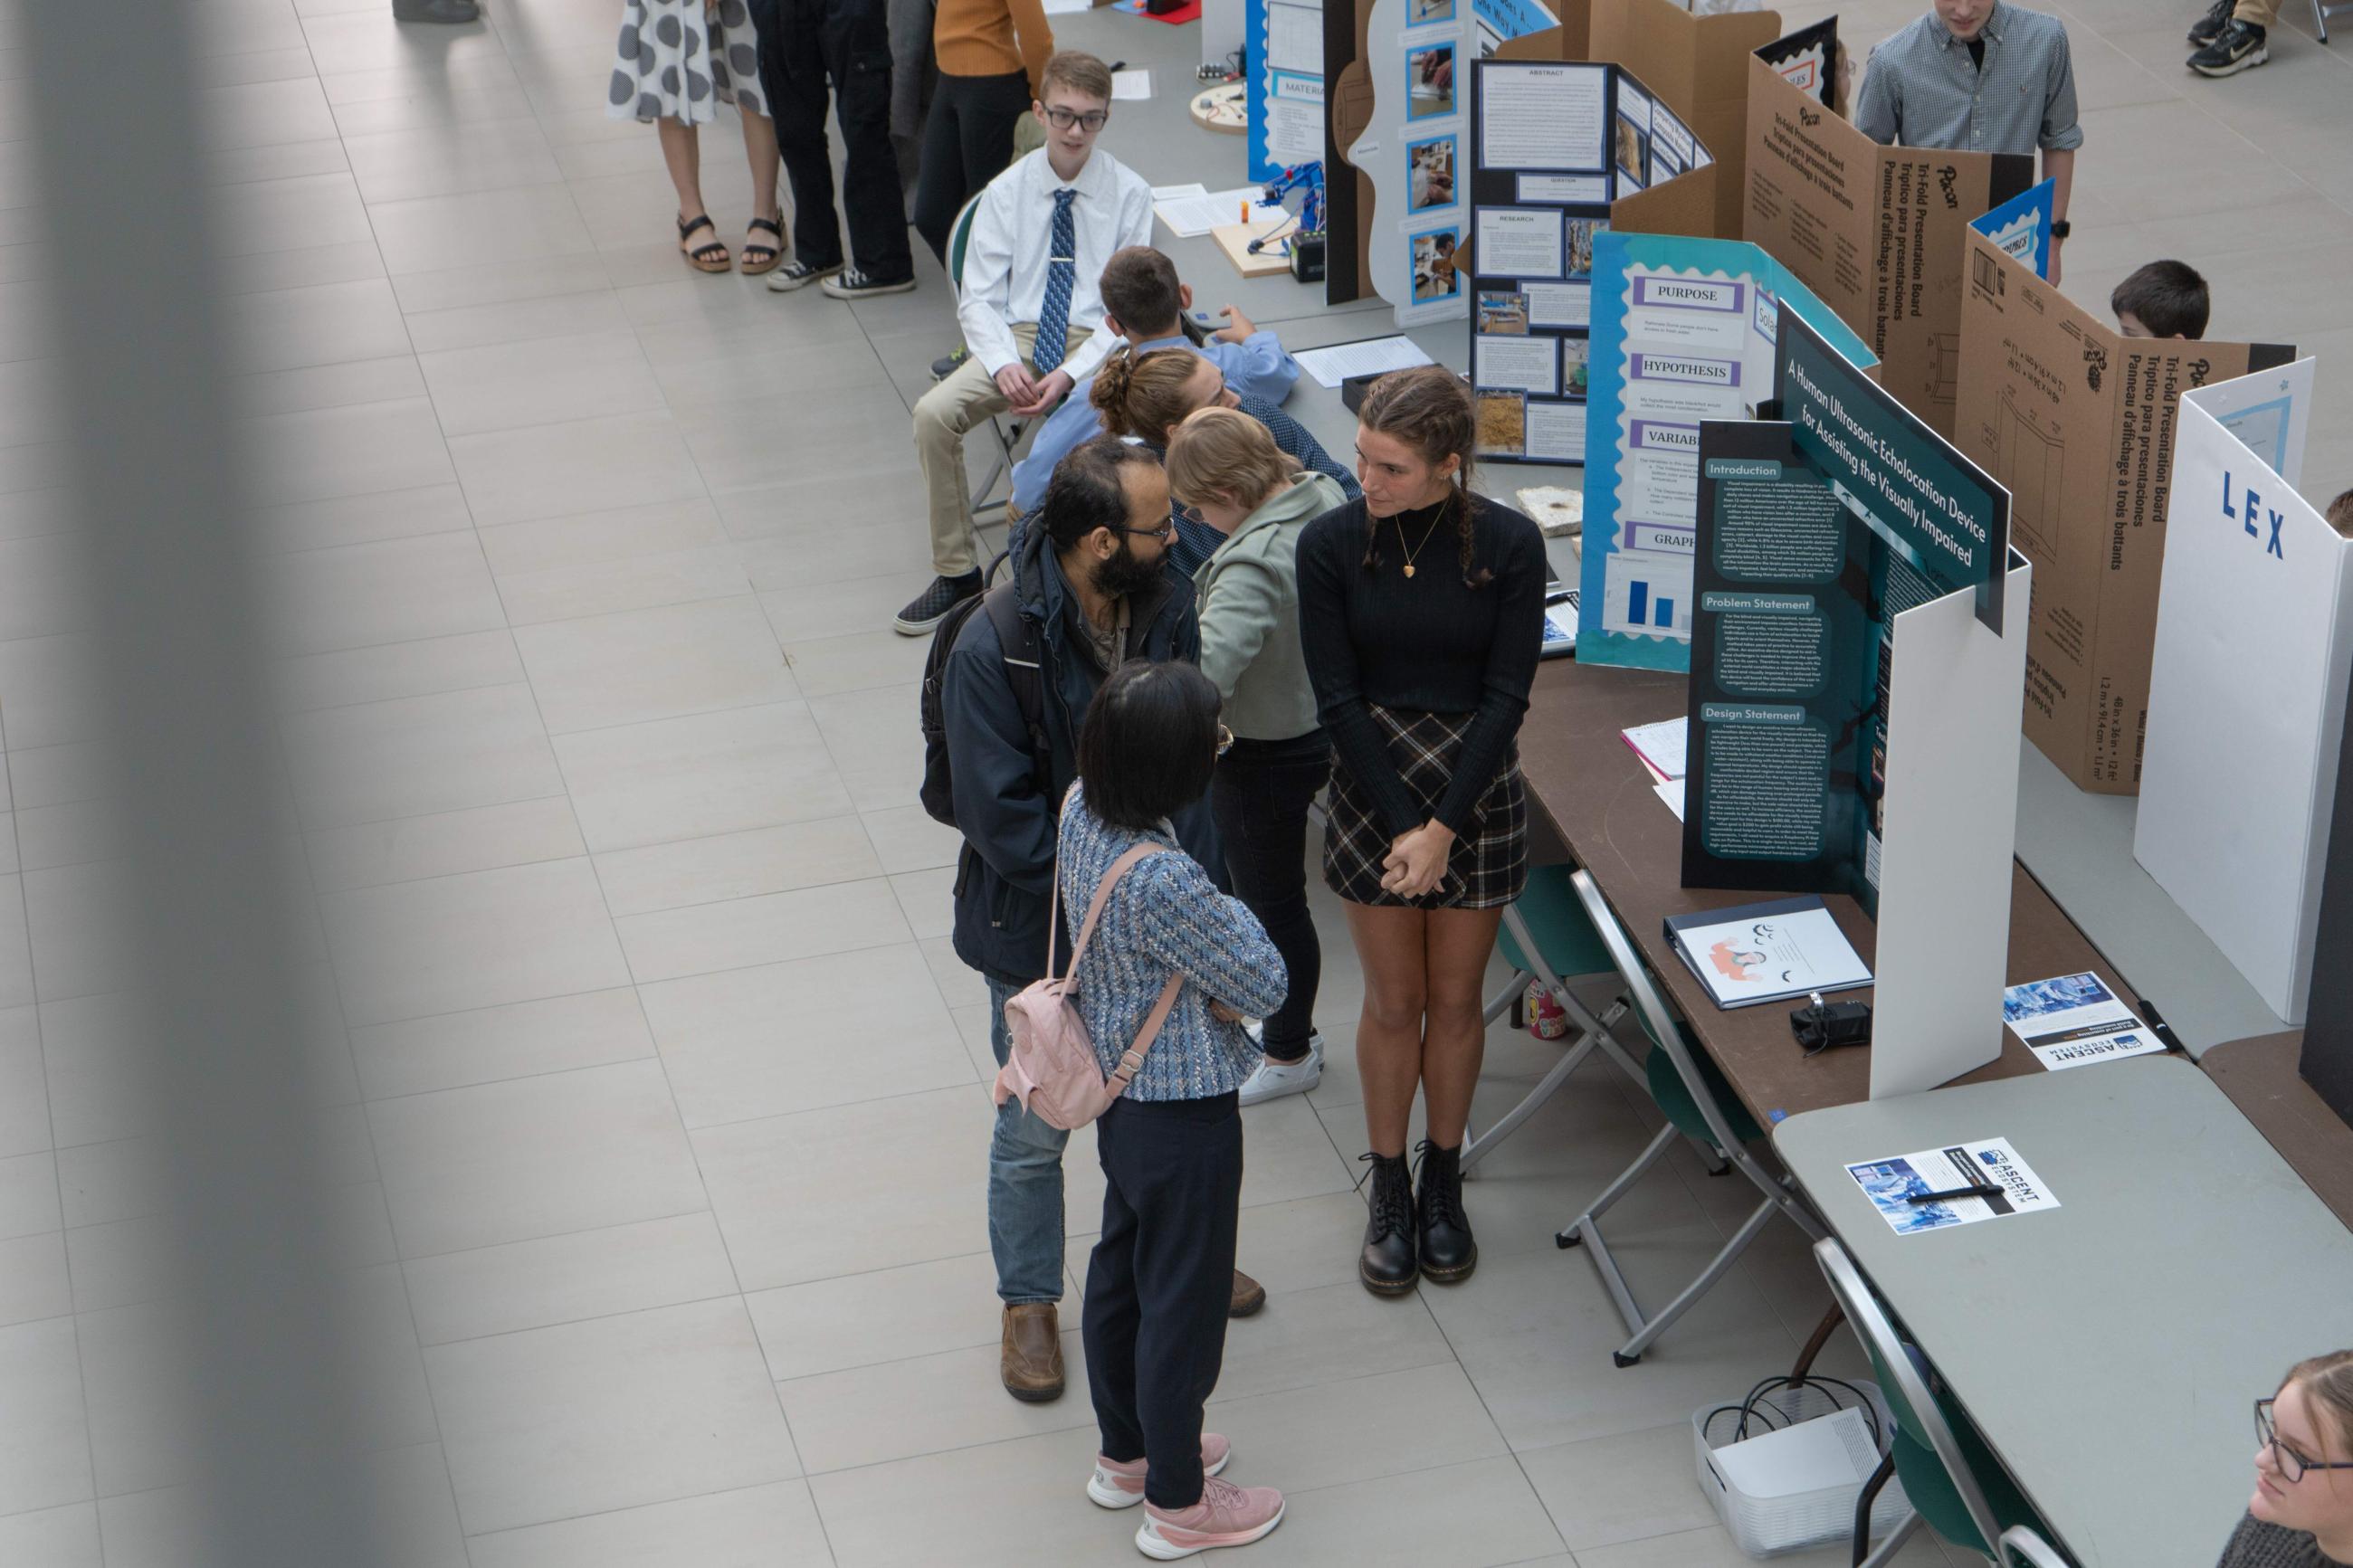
(1024, 671)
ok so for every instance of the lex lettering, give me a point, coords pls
(2252, 511)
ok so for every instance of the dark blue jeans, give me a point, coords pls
(1260, 798)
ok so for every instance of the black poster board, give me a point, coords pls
(1553, 145)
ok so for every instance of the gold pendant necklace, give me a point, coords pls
(1426, 532)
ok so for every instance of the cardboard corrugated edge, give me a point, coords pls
(1698, 64)
(1877, 232)
(2035, 363)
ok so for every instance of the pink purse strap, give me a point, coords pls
(1131, 1062)
(1119, 868)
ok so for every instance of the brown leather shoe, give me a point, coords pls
(1249, 1296)
(1032, 1359)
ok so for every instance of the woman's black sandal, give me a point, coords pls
(759, 258)
(711, 257)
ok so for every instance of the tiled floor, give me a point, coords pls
(654, 1090)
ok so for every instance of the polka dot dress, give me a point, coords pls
(681, 58)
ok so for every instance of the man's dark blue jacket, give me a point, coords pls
(1007, 869)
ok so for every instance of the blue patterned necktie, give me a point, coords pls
(1061, 277)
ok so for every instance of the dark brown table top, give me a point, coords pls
(1588, 782)
(2261, 1078)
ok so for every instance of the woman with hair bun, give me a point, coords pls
(1422, 613)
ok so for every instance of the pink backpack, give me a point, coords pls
(1051, 1067)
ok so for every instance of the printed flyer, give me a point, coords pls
(2075, 1020)
(1959, 1184)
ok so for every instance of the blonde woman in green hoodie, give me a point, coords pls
(1227, 474)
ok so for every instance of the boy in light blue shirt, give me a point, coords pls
(1144, 303)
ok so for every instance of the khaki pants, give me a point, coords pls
(2263, 14)
(942, 416)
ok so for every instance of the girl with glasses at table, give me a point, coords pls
(1421, 611)
(2301, 1515)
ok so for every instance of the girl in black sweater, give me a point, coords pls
(1421, 612)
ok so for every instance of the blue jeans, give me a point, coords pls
(1025, 1187)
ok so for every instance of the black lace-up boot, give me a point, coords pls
(1387, 1266)
(1448, 1251)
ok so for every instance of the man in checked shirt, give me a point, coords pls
(1979, 75)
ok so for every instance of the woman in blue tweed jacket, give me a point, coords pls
(1161, 1279)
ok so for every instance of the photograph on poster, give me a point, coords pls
(1520, 242)
(1430, 173)
(1433, 265)
(1502, 313)
(1633, 144)
(1575, 355)
(1515, 365)
(1426, 11)
(1430, 81)
(1581, 231)
(1503, 424)
(1559, 305)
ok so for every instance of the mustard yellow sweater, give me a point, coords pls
(974, 37)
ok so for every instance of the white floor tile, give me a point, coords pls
(568, 1279)
(771, 1526)
(45, 1459)
(649, 1407)
(666, 663)
(52, 1537)
(692, 778)
(520, 1039)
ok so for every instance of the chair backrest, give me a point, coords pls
(1912, 1403)
(2022, 1545)
(1656, 1018)
(960, 237)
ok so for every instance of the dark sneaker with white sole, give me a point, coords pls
(2240, 45)
(798, 274)
(852, 284)
(2208, 27)
(930, 607)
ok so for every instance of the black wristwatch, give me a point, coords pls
(2062, 228)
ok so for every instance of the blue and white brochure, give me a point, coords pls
(1891, 1183)
(2075, 1020)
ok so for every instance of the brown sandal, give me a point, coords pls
(759, 258)
(711, 257)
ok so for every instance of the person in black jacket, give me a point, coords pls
(1421, 614)
(1090, 573)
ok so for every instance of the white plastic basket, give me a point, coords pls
(1769, 1527)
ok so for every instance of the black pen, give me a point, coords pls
(1979, 1191)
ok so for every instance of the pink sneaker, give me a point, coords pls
(1227, 1515)
(1116, 1485)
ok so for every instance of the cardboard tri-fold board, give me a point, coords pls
(1877, 232)
(1697, 66)
(2078, 421)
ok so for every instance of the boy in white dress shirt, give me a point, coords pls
(1031, 309)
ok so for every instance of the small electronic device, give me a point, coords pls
(1307, 259)
(1822, 1025)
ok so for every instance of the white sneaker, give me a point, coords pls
(1274, 1080)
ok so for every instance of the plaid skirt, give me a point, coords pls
(1489, 865)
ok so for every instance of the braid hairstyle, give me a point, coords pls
(1429, 409)
(1144, 395)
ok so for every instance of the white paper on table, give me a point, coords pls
(1369, 356)
(2075, 1020)
(1671, 792)
(1188, 218)
(1129, 86)
(1662, 745)
(1890, 1185)
(1178, 193)
(1066, 7)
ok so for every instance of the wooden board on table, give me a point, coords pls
(1234, 240)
